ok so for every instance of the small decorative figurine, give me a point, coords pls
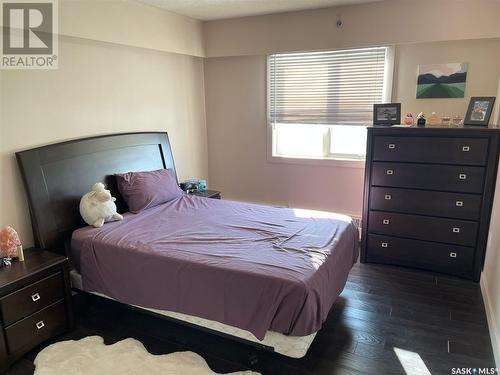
(421, 119)
(457, 120)
(10, 245)
(409, 119)
(433, 119)
(446, 120)
(6, 262)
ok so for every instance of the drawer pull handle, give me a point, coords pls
(35, 297)
(459, 203)
(456, 230)
(40, 324)
(465, 148)
(389, 171)
(392, 146)
(385, 244)
(453, 255)
(385, 221)
(388, 197)
(462, 176)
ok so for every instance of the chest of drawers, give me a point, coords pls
(428, 197)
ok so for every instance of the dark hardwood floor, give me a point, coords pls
(388, 320)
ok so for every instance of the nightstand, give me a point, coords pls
(35, 303)
(207, 194)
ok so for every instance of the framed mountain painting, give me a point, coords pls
(441, 80)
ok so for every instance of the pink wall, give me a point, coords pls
(235, 96)
(235, 86)
(237, 138)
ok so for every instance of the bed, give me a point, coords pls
(262, 274)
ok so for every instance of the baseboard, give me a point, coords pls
(492, 325)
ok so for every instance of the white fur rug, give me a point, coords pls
(90, 356)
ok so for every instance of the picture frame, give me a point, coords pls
(441, 80)
(479, 110)
(387, 114)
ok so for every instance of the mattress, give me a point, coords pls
(257, 268)
(290, 346)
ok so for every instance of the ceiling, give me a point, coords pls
(206, 10)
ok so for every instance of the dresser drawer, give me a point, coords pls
(453, 231)
(463, 151)
(432, 256)
(36, 328)
(423, 202)
(431, 177)
(34, 297)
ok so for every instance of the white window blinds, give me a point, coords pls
(329, 87)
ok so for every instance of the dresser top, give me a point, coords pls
(437, 131)
(35, 260)
(490, 128)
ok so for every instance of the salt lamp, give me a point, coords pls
(10, 245)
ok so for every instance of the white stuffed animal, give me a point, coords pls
(98, 206)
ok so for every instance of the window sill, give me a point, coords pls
(324, 162)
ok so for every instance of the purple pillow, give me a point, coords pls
(143, 190)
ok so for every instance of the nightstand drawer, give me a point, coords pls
(34, 297)
(36, 328)
(465, 151)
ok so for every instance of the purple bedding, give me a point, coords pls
(254, 267)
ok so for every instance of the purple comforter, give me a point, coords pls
(254, 267)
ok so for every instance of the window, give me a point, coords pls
(321, 102)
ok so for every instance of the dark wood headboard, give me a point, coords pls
(56, 177)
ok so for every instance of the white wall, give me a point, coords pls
(482, 56)
(237, 138)
(495, 117)
(490, 278)
(125, 66)
(131, 23)
(424, 31)
(387, 22)
(237, 125)
(124, 82)
(235, 79)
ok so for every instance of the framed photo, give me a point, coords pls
(387, 114)
(479, 111)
